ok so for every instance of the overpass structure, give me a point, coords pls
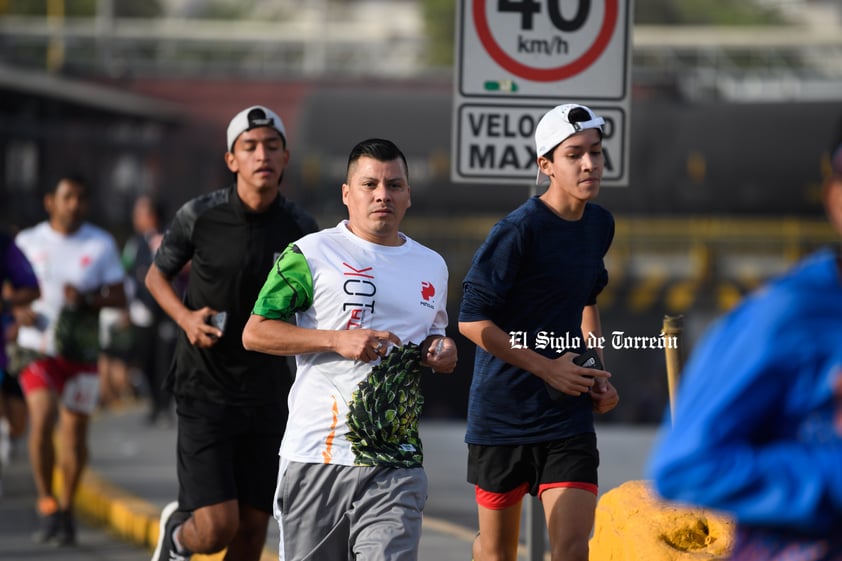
(798, 61)
(744, 64)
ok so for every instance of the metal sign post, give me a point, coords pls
(673, 328)
(535, 524)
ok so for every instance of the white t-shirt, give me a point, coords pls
(355, 284)
(87, 259)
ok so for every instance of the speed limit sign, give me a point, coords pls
(540, 48)
(515, 60)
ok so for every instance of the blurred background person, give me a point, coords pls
(757, 426)
(19, 288)
(154, 331)
(117, 347)
(79, 273)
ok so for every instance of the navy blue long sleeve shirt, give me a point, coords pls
(534, 274)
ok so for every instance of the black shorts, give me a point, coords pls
(227, 452)
(499, 470)
(9, 386)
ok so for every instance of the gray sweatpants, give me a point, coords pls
(340, 513)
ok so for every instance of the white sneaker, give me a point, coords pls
(165, 549)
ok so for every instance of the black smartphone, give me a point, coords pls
(588, 359)
(218, 320)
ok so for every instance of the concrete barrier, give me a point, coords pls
(633, 524)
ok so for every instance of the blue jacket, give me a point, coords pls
(758, 417)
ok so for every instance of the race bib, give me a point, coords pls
(81, 392)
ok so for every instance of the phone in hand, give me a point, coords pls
(218, 320)
(588, 359)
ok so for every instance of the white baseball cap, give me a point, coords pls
(252, 118)
(558, 124)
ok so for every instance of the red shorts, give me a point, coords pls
(54, 373)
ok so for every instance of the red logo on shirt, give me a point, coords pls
(427, 290)
(86, 260)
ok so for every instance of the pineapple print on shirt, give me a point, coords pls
(384, 410)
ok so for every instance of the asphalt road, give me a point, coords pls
(140, 461)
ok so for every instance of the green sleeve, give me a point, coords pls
(288, 288)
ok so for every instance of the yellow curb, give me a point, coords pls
(137, 521)
(130, 518)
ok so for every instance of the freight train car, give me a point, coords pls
(745, 159)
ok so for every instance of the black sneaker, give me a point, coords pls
(171, 518)
(66, 535)
(49, 529)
